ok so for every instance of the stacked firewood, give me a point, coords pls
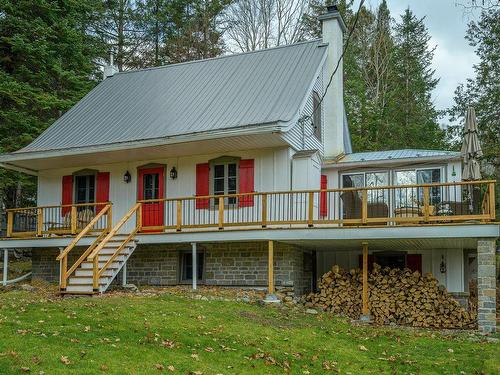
(395, 296)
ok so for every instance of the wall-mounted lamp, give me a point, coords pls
(442, 265)
(173, 173)
(127, 177)
(453, 173)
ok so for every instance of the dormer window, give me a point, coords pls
(317, 110)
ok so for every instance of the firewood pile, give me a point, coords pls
(396, 296)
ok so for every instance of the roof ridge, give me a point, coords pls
(220, 57)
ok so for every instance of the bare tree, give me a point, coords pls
(255, 24)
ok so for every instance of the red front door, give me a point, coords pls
(151, 187)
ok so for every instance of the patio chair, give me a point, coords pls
(353, 204)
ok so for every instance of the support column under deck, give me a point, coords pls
(195, 265)
(486, 285)
(365, 312)
(5, 266)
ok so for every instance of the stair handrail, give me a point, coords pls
(94, 257)
(63, 256)
(117, 252)
(113, 231)
(85, 230)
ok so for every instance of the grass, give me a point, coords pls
(125, 334)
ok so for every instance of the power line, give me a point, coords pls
(346, 45)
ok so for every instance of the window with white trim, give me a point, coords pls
(224, 178)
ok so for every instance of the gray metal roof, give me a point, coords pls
(234, 91)
(396, 154)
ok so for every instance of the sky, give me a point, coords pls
(447, 25)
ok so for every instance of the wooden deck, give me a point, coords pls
(414, 205)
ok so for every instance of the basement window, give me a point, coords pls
(187, 266)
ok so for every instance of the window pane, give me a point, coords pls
(405, 197)
(353, 180)
(231, 170)
(377, 179)
(231, 185)
(219, 171)
(219, 186)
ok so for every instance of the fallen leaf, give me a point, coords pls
(450, 350)
(65, 360)
(171, 368)
(159, 366)
(195, 356)
(104, 368)
(363, 348)
(86, 329)
(25, 369)
(209, 349)
(168, 344)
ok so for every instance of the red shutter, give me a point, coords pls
(102, 189)
(414, 262)
(202, 181)
(67, 194)
(323, 203)
(246, 182)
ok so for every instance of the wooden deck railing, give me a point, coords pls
(384, 205)
(381, 205)
(57, 219)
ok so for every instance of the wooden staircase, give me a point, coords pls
(101, 262)
(81, 282)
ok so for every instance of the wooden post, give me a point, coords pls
(310, 215)
(270, 268)
(364, 310)
(364, 206)
(195, 265)
(139, 218)
(264, 210)
(39, 221)
(221, 212)
(110, 217)
(64, 269)
(95, 273)
(10, 223)
(427, 208)
(179, 215)
(73, 219)
(491, 198)
(5, 266)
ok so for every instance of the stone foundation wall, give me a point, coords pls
(46, 267)
(242, 264)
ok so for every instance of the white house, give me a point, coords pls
(239, 160)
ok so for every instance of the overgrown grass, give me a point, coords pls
(124, 334)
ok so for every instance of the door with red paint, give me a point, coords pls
(151, 187)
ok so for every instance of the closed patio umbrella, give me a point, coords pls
(471, 149)
(471, 152)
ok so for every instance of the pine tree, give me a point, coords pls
(413, 114)
(46, 65)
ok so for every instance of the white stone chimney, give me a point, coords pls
(110, 69)
(333, 28)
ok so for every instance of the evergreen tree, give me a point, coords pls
(413, 114)
(118, 29)
(482, 92)
(46, 66)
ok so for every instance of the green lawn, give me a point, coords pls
(125, 334)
